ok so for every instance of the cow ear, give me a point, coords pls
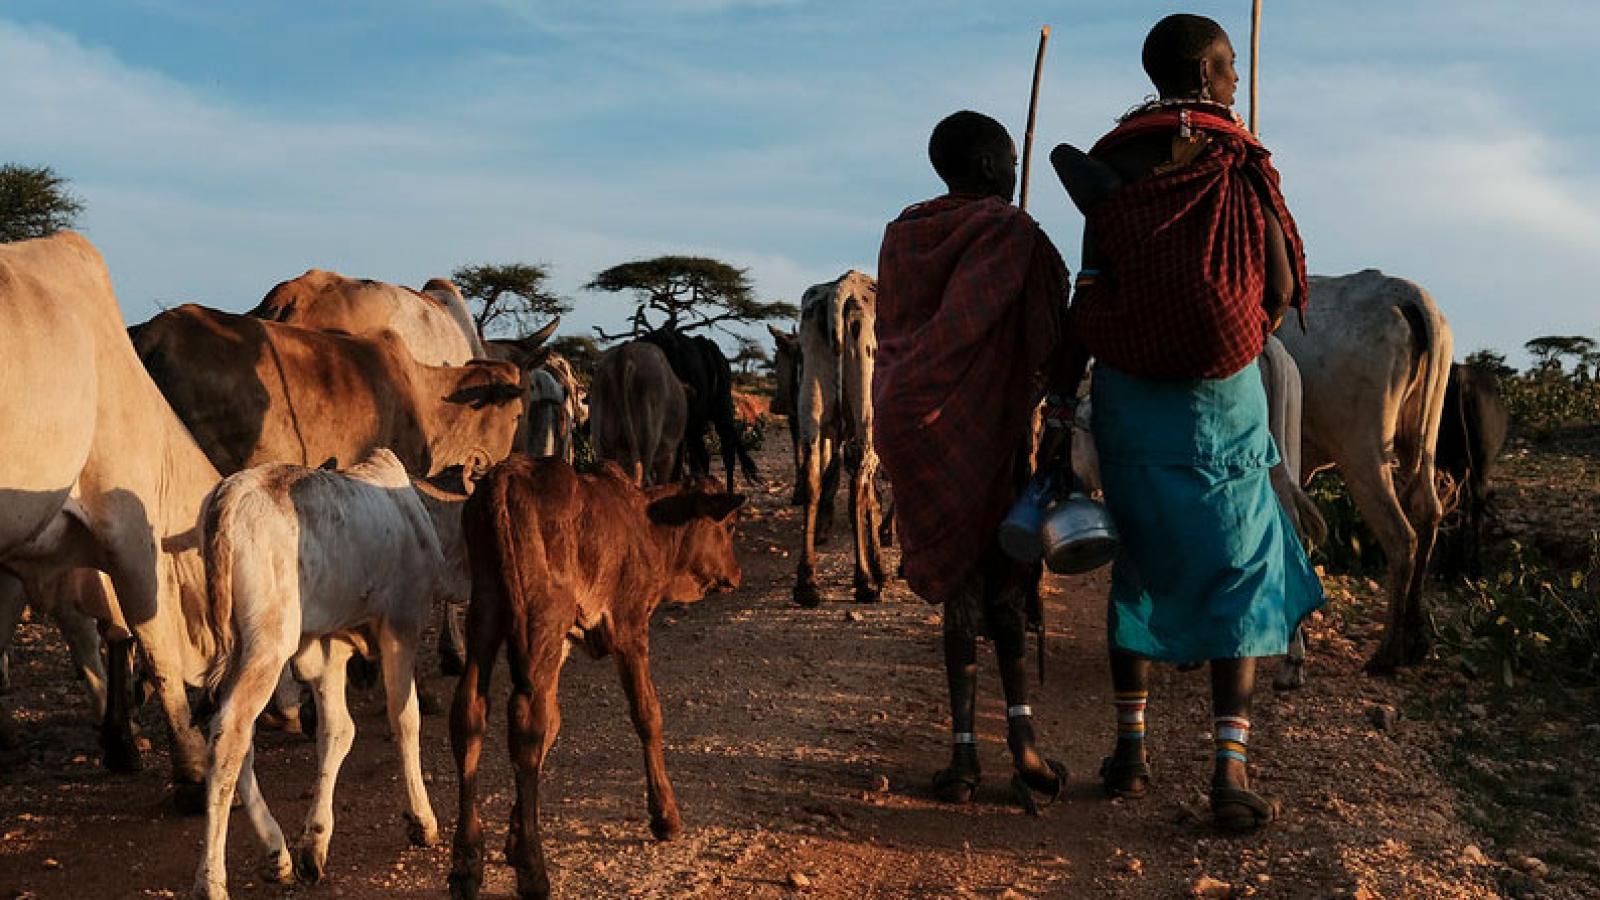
(720, 508)
(672, 510)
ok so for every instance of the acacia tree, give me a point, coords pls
(685, 293)
(1548, 351)
(34, 203)
(509, 299)
(751, 353)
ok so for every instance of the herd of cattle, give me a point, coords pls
(253, 499)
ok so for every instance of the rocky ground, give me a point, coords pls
(801, 744)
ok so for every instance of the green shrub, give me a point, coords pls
(1530, 620)
(1542, 404)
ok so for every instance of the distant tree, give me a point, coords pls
(508, 300)
(34, 203)
(750, 353)
(685, 293)
(579, 349)
(1549, 351)
(1487, 360)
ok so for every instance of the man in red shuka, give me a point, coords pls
(971, 300)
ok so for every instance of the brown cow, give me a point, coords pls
(255, 392)
(638, 410)
(561, 558)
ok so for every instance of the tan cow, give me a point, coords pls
(433, 322)
(838, 342)
(638, 411)
(1375, 364)
(97, 471)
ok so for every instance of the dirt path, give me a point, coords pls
(782, 727)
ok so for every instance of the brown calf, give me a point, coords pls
(560, 558)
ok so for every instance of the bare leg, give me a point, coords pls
(958, 783)
(1233, 681)
(1130, 676)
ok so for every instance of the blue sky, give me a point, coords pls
(222, 147)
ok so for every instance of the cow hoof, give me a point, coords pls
(210, 890)
(422, 834)
(122, 758)
(451, 665)
(868, 594)
(666, 829)
(465, 887)
(189, 797)
(428, 702)
(278, 868)
(807, 596)
(308, 865)
(535, 888)
(1290, 677)
(1383, 663)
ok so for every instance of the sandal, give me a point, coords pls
(1243, 811)
(954, 785)
(1128, 779)
(1024, 789)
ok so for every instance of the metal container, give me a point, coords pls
(1020, 535)
(1078, 536)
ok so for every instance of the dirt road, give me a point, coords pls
(783, 726)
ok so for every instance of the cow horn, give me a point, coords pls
(535, 340)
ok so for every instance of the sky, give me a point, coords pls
(222, 147)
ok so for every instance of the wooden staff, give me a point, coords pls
(1255, 64)
(1033, 111)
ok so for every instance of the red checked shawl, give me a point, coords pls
(1186, 252)
(970, 295)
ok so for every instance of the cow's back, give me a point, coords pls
(434, 332)
(254, 391)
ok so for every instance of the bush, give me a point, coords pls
(1543, 404)
(1530, 620)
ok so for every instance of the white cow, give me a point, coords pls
(301, 566)
(434, 322)
(838, 342)
(1375, 362)
(97, 471)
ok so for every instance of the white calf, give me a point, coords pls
(300, 565)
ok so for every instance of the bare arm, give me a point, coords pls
(1280, 272)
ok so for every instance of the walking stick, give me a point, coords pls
(1255, 64)
(1033, 111)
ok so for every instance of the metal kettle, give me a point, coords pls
(1058, 522)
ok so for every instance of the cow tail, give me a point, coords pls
(1433, 340)
(1313, 527)
(218, 555)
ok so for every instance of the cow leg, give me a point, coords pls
(534, 720)
(405, 726)
(82, 635)
(119, 752)
(452, 639)
(828, 489)
(797, 451)
(232, 731)
(12, 601)
(633, 663)
(1371, 485)
(805, 583)
(277, 866)
(159, 631)
(863, 515)
(1292, 671)
(335, 732)
(1424, 511)
(469, 717)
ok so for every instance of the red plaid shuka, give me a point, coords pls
(970, 297)
(1186, 257)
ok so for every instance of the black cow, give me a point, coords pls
(700, 365)
(1472, 433)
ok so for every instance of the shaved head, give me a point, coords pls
(1174, 48)
(973, 153)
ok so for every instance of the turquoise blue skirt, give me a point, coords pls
(1211, 566)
